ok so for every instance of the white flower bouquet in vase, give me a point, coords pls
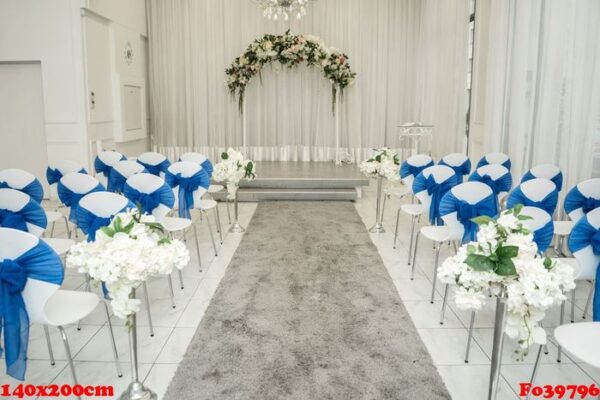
(231, 170)
(505, 261)
(383, 165)
(126, 253)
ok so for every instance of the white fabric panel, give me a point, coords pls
(410, 57)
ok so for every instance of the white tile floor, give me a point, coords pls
(174, 328)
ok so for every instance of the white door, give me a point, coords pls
(22, 136)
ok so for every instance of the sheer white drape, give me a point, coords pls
(543, 83)
(410, 57)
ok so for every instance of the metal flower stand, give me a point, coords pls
(236, 227)
(136, 390)
(378, 227)
(498, 345)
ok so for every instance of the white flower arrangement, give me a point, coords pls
(385, 163)
(232, 169)
(126, 253)
(505, 260)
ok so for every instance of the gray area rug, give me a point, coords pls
(306, 310)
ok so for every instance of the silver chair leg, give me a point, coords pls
(396, 230)
(218, 222)
(412, 234)
(588, 301)
(68, 351)
(435, 268)
(87, 289)
(180, 278)
(67, 227)
(383, 206)
(412, 270)
(562, 321)
(470, 337)
(444, 304)
(171, 293)
(573, 305)
(49, 343)
(197, 247)
(112, 341)
(147, 302)
(535, 370)
(52, 229)
(212, 236)
(228, 212)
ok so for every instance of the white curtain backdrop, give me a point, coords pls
(543, 84)
(410, 57)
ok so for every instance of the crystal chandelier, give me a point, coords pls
(276, 9)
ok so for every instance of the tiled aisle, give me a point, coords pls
(173, 328)
(447, 343)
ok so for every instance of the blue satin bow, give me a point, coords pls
(557, 179)
(34, 189)
(543, 236)
(149, 201)
(207, 166)
(436, 191)
(187, 187)
(575, 199)
(460, 170)
(40, 263)
(53, 175)
(103, 168)
(158, 168)
(31, 213)
(547, 204)
(465, 212)
(582, 236)
(407, 169)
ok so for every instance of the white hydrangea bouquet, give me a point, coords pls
(232, 169)
(384, 162)
(505, 260)
(133, 248)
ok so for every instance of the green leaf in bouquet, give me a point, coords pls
(471, 249)
(506, 267)
(517, 209)
(127, 229)
(378, 158)
(108, 231)
(164, 240)
(547, 263)
(479, 262)
(482, 220)
(117, 224)
(155, 226)
(507, 251)
(523, 217)
(224, 155)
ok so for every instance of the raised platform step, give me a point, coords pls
(269, 194)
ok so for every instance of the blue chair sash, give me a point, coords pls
(557, 179)
(436, 191)
(53, 175)
(41, 263)
(208, 167)
(547, 204)
(507, 164)
(149, 201)
(31, 213)
(156, 169)
(407, 169)
(543, 236)
(465, 212)
(575, 199)
(34, 189)
(89, 222)
(502, 184)
(116, 181)
(102, 168)
(71, 199)
(460, 170)
(187, 187)
(582, 236)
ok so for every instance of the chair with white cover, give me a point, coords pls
(105, 161)
(537, 192)
(459, 162)
(19, 211)
(581, 199)
(155, 163)
(546, 171)
(22, 181)
(497, 177)
(54, 172)
(71, 188)
(409, 170)
(35, 274)
(190, 182)
(495, 158)
(120, 172)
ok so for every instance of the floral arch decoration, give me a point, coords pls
(289, 50)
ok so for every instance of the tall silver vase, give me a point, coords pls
(136, 390)
(498, 345)
(236, 227)
(378, 227)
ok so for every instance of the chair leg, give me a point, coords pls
(535, 370)
(412, 234)
(588, 301)
(444, 304)
(68, 352)
(218, 222)
(171, 293)
(49, 343)
(197, 247)
(52, 229)
(383, 206)
(212, 236)
(147, 302)
(180, 278)
(412, 270)
(470, 337)
(67, 227)
(573, 305)
(87, 289)
(396, 230)
(435, 267)
(562, 321)
(228, 212)
(112, 341)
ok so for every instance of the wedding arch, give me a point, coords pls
(290, 50)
